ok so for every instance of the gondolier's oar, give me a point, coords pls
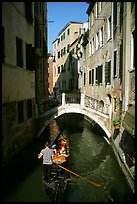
(87, 180)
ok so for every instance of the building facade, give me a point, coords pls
(107, 72)
(21, 67)
(65, 62)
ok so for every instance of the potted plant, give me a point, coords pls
(116, 122)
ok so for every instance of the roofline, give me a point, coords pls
(70, 22)
(54, 40)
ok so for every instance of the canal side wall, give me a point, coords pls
(15, 137)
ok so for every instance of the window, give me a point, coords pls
(19, 52)
(81, 30)
(100, 74)
(29, 108)
(20, 112)
(84, 79)
(64, 35)
(109, 27)
(115, 63)
(96, 75)
(68, 31)
(108, 72)
(68, 46)
(92, 82)
(62, 68)
(64, 52)
(61, 37)
(58, 54)
(58, 40)
(58, 69)
(90, 76)
(97, 42)
(61, 52)
(133, 50)
(92, 46)
(115, 104)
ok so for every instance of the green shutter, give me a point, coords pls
(108, 72)
(92, 76)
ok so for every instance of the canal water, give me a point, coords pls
(91, 157)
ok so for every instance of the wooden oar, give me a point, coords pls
(87, 180)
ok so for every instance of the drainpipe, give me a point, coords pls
(112, 65)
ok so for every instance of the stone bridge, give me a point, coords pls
(72, 103)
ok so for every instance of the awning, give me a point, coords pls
(129, 121)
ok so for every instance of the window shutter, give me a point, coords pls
(107, 72)
(100, 74)
(92, 76)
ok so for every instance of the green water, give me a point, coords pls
(91, 157)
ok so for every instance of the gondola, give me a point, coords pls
(59, 178)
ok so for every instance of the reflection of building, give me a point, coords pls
(106, 65)
(23, 59)
(65, 65)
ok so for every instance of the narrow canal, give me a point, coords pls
(91, 157)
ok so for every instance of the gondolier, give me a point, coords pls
(47, 155)
(55, 179)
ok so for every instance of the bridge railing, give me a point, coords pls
(86, 101)
(97, 105)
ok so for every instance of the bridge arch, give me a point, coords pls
(101, 119)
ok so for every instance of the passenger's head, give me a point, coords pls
(46, 144)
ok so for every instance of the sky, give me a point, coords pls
(61, 13)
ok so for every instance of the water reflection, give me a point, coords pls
(93, 158)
